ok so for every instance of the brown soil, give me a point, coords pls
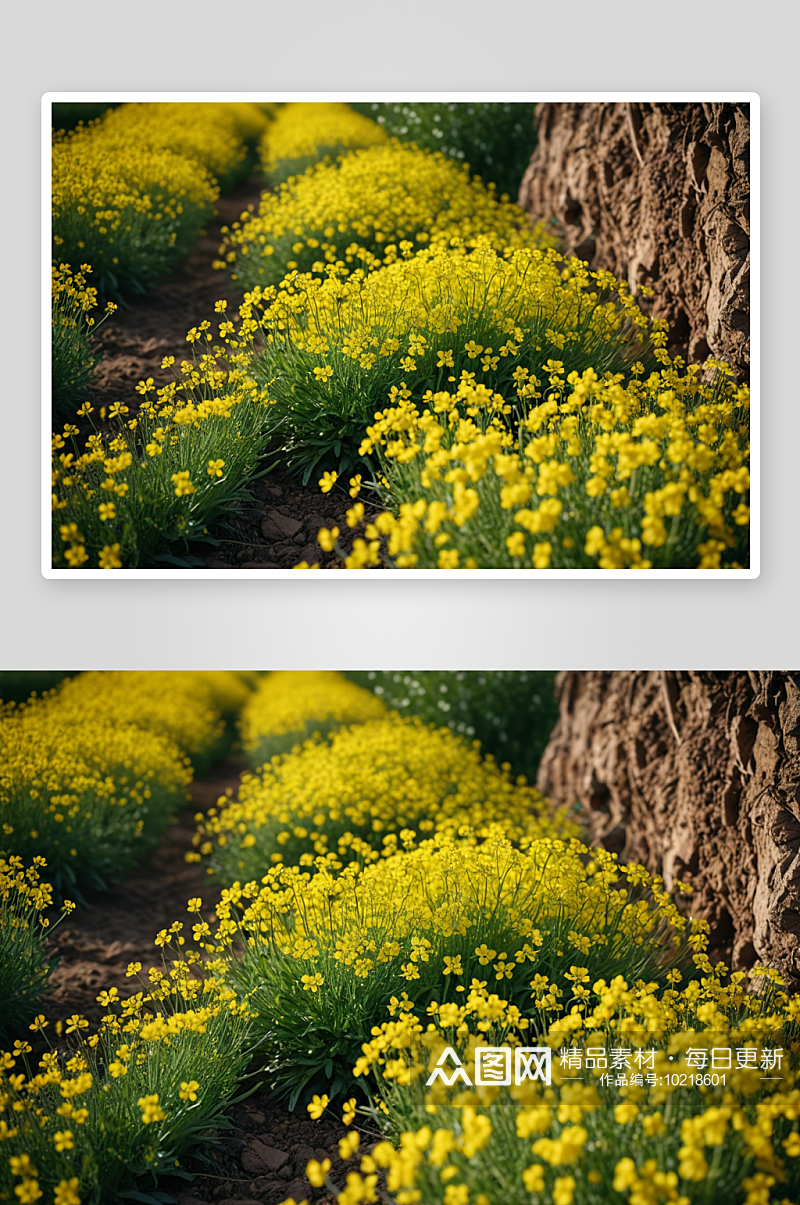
(98, 941)
(263, 1155)
(135, 341)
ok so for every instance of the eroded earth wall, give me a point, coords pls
(658, 194)
(697, 776)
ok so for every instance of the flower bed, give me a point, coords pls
(93, 772)
(364, 792)
(595, 475)
(302, 134)
(369, 207)
(290, 707)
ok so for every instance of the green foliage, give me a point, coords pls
(24, 965)
(18, 685)
(326, 952)
(495, 139)
(511, 712)
(73, 359)
(68, 114)
(141, 497)
(126, 1102)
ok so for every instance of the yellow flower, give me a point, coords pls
(316, 1172)
(318, 1106)
(327, 539)
(312, 983)
(151, 1110)
(327, 482)
(63, 1140)
(541, 555)
(456, 1194)
(109, 557)
(792, 1145)
(515, 543)
(66, 1192)
(624, 1175)
(189, 1090)
(28, 1192)
(533, 1178)
(563, 1190)
(215, 468)
(183, 485)
(76, 556)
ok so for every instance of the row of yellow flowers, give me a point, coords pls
(92, 773)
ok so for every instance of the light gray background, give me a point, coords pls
(396, 621)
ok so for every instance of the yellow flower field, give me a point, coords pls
(408, 335)
(406, 935)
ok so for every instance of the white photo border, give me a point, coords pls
(750, 98)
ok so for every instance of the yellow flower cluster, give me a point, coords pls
(72, 294)
(177, 705)
(333, 350)
(24, 966)
(129, 210)
(72, 359)
(432, 306)
(362, 789)
(125, 1098)
(166, 474)
(207, 132)
(576, 471)
(458, 907)
(668, 1136)
(89, 795)
(301, 133)
(93, 772)
(289, 706)
(371, 207)
(325, 950)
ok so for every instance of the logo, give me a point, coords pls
(493, 1066)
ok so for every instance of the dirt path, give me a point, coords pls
(147, 328)
(117, 927)
(262, 1157)
(279, 529)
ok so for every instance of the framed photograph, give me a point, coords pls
(471, 334)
